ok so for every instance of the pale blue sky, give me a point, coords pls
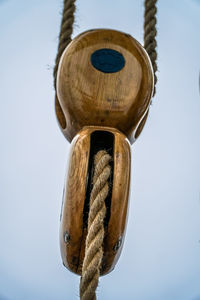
(161, 255)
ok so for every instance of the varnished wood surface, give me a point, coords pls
(72, 251)
(87, 96)
(119, 204)
(73, 203)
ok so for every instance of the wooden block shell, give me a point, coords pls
(73, 231)
(87, 96)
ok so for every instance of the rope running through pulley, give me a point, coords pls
(103, 164)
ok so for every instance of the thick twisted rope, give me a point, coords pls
(94, 241)
(150, 32)
(66, 29)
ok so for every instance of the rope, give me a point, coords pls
(94, 241)
(66, 29)
(150, 32)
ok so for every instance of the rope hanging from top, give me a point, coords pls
(66, 29)
(150, 33)
(94, 240)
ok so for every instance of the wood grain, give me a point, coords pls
(72, 250)
(115, 232)
(89, 97)
(73, 203)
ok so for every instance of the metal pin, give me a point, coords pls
(66, 237)
(118, 244)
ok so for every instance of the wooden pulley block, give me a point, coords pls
(104, 88)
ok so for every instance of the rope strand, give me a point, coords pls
(150, 33)
(94, 241)
(66, 29)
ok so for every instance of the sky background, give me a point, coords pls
(161, 255)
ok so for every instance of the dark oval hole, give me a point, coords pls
(107, 60)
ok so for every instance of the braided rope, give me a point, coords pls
(94, 241)
(150, 32)
(66, 29)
